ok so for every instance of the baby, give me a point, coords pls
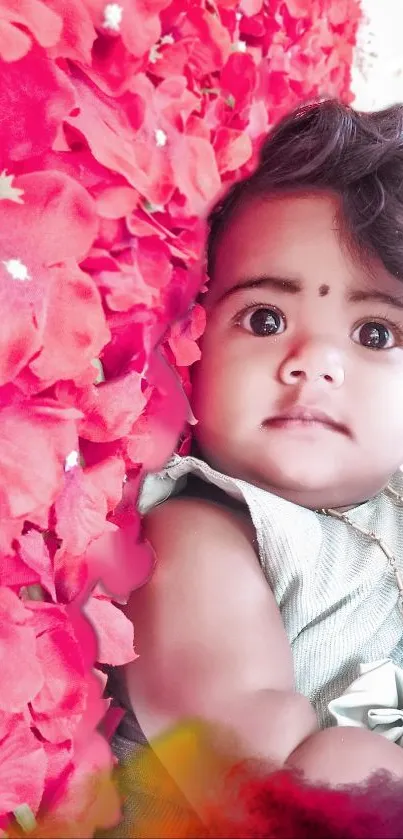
(279, 542)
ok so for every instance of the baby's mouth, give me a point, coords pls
(305, 418)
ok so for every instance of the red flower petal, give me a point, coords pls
(251, 7)
(34, 443)
(227, 4)
(108, 477)
(184, 335)
(80, 512)
(59, 768)
(56, 211)
(58, 706)
(110, 132)
(22, 769)
(196, 173)
(140, 25)
(114, 202)
(239, 77)
(120, 561)
(15, 574)
(153, 438)
(59, 213)
(10, 530)
(20, 338)
(233, 149)
(153, 261)
(77, 34)
(8, 722)
(71, 575)
(112, 67)
(296, 8)
(35, 554)
(35, 96)
(14, 43)
(90, 799)
(145, 268)
(17, 634)
(34, 17)
(75, 329)
(211, 41)
(114, 632)
(109, 409)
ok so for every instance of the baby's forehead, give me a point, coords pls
(288, 236)
(302, 242)
(277, 227)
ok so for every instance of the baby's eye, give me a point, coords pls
(263, 321)
(374, 335)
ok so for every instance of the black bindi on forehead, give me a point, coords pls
(323, 290)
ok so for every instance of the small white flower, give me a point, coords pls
(160, 137)
(113, 14)
(154, 54)
(238, 15)
(239, 46)
(97, 363)
(7, 190)
(72, 460)
(17, 269)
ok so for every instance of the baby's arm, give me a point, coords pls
(212, 645)
(339, 756)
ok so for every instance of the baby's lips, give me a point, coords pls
(308, 414)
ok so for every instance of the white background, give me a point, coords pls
(378, 66)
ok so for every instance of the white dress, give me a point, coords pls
(334, 587)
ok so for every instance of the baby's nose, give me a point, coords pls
(313, 362)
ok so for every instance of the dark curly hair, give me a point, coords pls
(330, 146)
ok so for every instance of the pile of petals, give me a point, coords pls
(121, 123)
(256, 804)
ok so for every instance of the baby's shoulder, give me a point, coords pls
(185, 525)
(206, 574)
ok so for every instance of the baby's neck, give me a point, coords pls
(311, 499)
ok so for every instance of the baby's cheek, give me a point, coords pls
(232, 381)
(375, 406)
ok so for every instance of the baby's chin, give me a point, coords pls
(314, 488)
(302, 479)
(311, 476)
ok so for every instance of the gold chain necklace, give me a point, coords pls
(376, 539)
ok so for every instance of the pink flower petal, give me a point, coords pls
(35, 554)
(22, 769)
(35, 95)
(114, 631)
(80, 512)
(21, 684)
(58, 706)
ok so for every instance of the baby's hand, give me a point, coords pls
(338, 756)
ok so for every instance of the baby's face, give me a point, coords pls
(300, 386)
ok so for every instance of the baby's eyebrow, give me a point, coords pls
(284, 284)
(360, 296)
(294, 286)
